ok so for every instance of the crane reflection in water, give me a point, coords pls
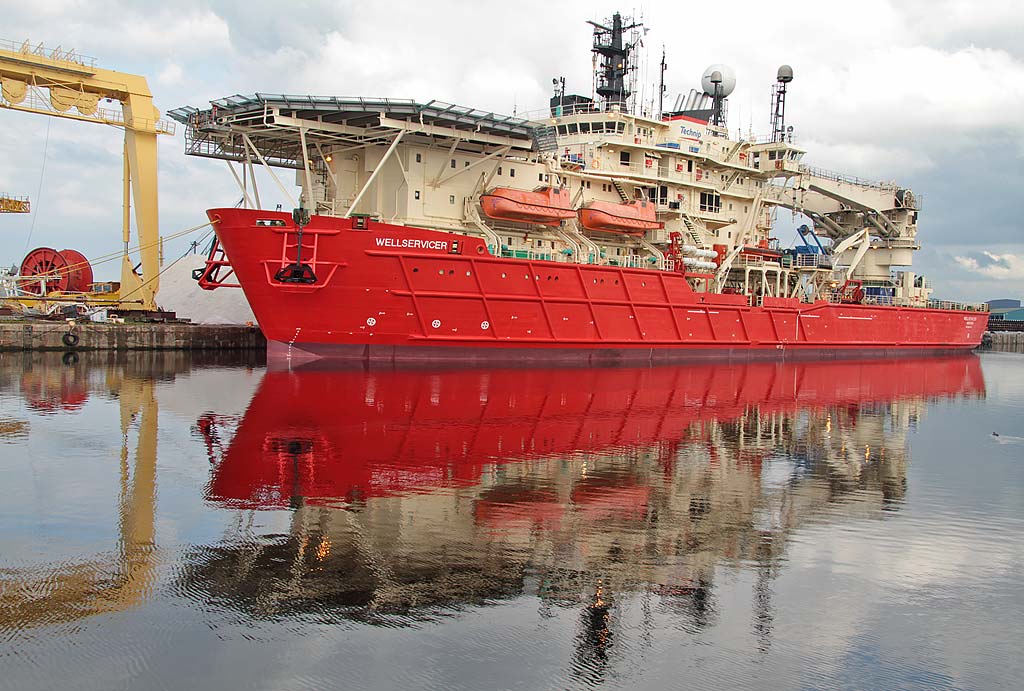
(416, 494)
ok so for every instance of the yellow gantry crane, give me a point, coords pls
(61, 83)
(14, 205)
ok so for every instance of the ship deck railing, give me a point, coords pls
(836, 176)
(888, 301)
(629, 261)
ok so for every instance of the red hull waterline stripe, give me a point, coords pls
(278, 353)
(401, 293)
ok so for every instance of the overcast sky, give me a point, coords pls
(926, 92)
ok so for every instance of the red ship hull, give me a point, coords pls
(400, 293)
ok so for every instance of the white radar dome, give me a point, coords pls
(728, 80)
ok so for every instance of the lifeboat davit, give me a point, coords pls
(546, 205)
(631, 217)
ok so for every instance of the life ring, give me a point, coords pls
(70, 339)
(700, 174)
(636, 140)
(595, 163)
(648, 163)
(778, 165)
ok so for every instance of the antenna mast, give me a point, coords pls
(785, 76)
(661, 84)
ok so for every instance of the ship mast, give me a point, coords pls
(661, 84)
(613, 60)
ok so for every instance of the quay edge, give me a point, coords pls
(61, 336)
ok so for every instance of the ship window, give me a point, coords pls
(416, 194)
(451, 198)
(745, 209)
(709, 201)
(540, 177)
(730, 206)
(453, 163)
(584, 128)
(572, 128)
(511, 172)
(563, 130)
(552, 247)
(597, 127)
(419, 158)
(588, 184)
(466, 164)
(499, 170)
(624, 158)
(689, 166)
(771, 155)
(621, 127)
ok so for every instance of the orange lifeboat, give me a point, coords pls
(546, 205)
(631, 217)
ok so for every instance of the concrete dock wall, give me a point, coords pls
(62, 336)
(1006, 341)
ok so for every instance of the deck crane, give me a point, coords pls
(61, 83)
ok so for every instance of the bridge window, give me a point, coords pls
(584, 128)
(453, 163)
(624, 158)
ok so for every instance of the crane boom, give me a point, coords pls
(64, 84)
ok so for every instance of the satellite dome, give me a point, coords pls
(727, 76)
(785, 74)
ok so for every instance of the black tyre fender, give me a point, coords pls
(70, 339)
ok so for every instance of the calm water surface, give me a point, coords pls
(168, 522)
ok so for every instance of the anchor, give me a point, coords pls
(297, 271)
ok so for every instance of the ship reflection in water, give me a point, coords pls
(537, 528)
(418, 493)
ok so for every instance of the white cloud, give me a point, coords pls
(171, 75)
(1001, 266)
